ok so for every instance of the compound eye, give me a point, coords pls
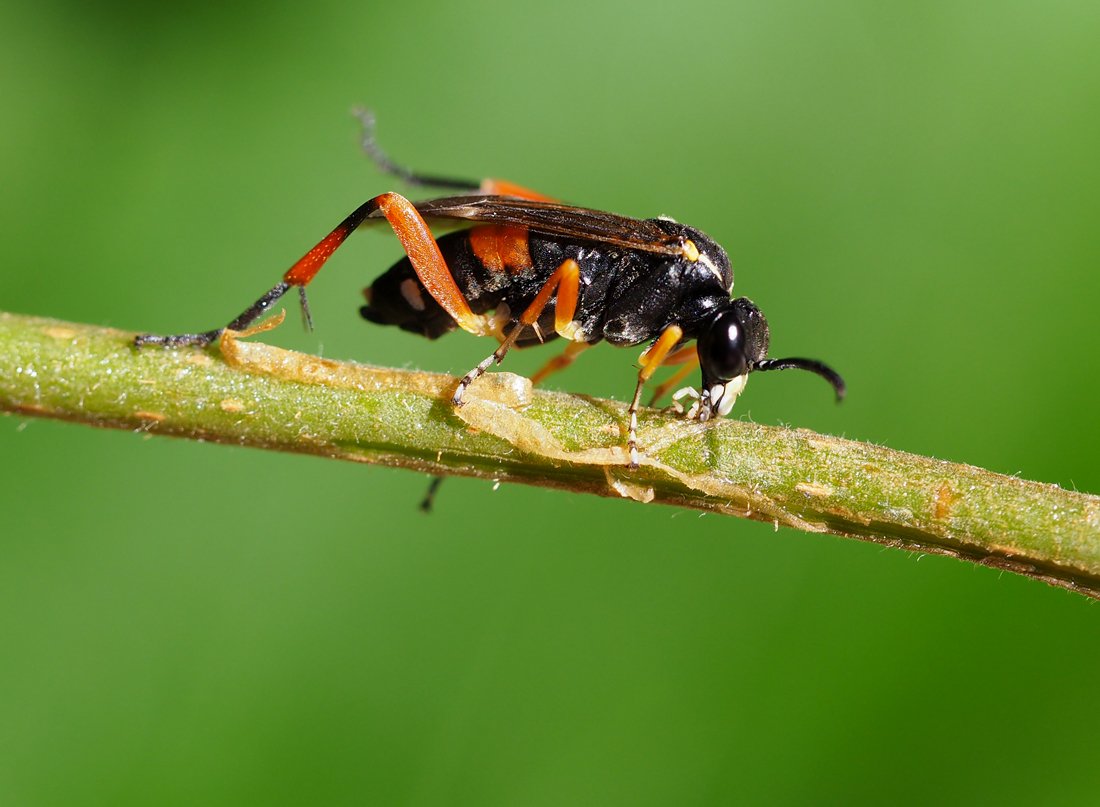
(722, 347)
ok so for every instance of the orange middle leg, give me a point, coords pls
(559, 362)
(565, 281)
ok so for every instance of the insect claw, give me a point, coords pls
(686, 392)
(704, 412)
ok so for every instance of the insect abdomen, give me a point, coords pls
(485, 267)
(496, 265)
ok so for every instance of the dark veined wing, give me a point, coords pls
(554, 218)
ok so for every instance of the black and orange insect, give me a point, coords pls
(529, 269)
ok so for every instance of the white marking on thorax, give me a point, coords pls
(707, 262)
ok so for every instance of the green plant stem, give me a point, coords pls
(252, 394)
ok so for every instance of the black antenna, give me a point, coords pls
(813, 365)
(381, 159)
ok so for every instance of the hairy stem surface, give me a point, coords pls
(248, 393)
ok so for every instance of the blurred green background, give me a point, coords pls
(909, 190)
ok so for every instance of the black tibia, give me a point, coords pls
(179, 339)
(428, 501)
(307, 316)
(246, 318)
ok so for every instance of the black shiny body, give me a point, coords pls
(528, 269)
(626, 296)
